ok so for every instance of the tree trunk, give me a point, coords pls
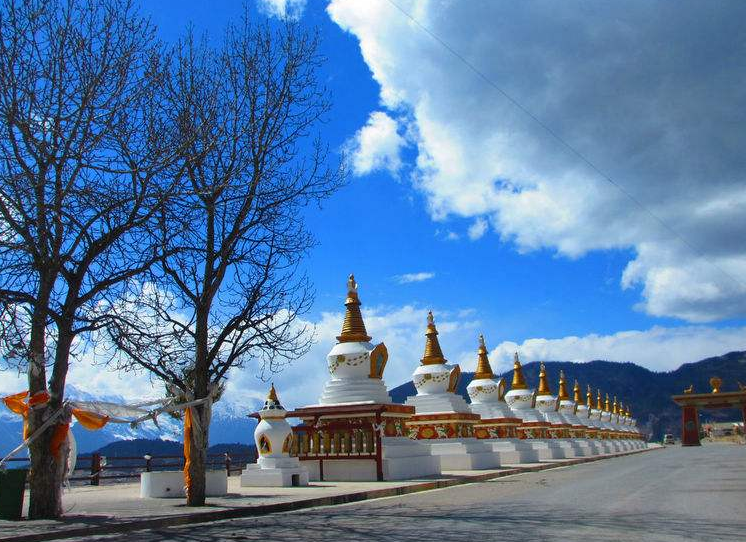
(198, 453)
(45, 501)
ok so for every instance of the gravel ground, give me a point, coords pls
(672, 494)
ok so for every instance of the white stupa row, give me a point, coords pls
(435, 430)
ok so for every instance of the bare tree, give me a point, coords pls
(229, 294)
(82, 152)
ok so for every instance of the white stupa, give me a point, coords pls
(616, 446)
(498, 423)
(442, 417)
(273, 437)
(567, 408)
(548, 405)
(355, 364)
(355, 415)
(594, 417)
(533, 428)
(582, 413)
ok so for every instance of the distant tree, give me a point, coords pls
(227, 290)
(82, 154)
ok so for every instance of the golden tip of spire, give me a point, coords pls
(562, 393)
(353, 328)
(519, 383)
(272, 395)
(543, 388)
(433, 354)
(484, 370)
(577, 394)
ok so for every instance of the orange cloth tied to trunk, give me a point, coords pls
(187, 449)
(17, 404)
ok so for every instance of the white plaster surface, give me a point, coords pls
(167, 484)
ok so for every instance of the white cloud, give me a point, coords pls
(376, 146)
(478, 229)
(292, 9)
(658, 348)
(414, 277)
(655, 101)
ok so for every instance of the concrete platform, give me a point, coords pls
(118, 508)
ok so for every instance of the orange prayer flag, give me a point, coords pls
(90, 420)
(58, 438)
(16, 403)
(39, 398)
(187, 448)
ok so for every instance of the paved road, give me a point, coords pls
(665, 495)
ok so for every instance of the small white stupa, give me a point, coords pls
(576, 413)
(582, 412)
(533, 428)
(616, 446)
(273, 437)
(548, 405)
(594, 417)
(567, 409)
(442, 416)
(498, 424)
(617, 420)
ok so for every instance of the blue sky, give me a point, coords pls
(520, 240)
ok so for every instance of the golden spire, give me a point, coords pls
(483, 364)
(599, 401)
(615, 408)
(543, 384)
(353, 328)
(433, 353)
(519, 383)
(578, 396)
(589, 396)
(272, 395)
(562, 394)
(607, 405)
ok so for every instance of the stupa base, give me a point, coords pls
(549, 449)
(513, 451)
(404, 458)
(464, 454)
(256, 476)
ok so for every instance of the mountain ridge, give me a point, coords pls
(647, 392)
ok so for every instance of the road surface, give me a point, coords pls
(664, 495)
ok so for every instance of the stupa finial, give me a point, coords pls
(599, 401)
(607, 404)
(589, 396)
(562, 394)
(433, 354)
(353, 328)
(543, 384)
(272, 395)
(484, 370)
(615, 408)
(519, 383)
(578, 396)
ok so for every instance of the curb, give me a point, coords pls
(264, 509)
